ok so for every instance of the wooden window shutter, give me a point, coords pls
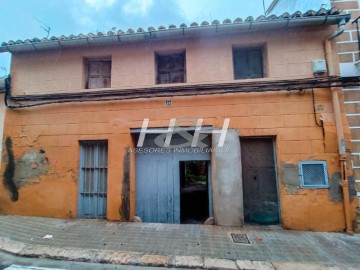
(171, 68)
(99, 74)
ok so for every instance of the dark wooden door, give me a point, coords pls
(261, 202)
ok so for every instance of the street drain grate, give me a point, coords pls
(240, 238)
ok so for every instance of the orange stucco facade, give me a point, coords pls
(57, 129)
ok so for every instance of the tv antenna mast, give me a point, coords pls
(45, 27)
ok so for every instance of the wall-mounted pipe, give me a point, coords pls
(2, 84)
(340, 30)
(339, 127)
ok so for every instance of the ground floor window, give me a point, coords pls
(93, 179)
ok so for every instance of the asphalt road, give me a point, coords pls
(10, 262)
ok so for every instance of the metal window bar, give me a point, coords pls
(93, 179)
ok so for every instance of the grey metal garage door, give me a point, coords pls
(158, 184)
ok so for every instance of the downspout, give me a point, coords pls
(2, 84)
(339, 127)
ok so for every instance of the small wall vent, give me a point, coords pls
(313, 174)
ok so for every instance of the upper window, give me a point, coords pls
(170, 68)
(313, 174)
(98, 73)
(248, 63)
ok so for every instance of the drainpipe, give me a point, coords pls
(2, 84)
(339, 128)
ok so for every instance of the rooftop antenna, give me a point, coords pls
(264, 7)
(45, 27)
(5, 71)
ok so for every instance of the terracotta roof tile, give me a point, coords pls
(286, 16)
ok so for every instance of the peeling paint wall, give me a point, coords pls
(30, 166)
(290, 177)
(10, 171)
(25, 170)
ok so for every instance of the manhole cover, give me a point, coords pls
(240, 238)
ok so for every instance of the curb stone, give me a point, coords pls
(302, 266)
(10, 246)
(136, 258)
(154, 260)
(219, 264)
(186, 261)
(254, 265)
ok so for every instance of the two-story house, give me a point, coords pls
(103, 125)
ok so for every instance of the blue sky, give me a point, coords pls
(84, 16)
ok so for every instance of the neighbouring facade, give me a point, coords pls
(348, 53)
(78, 106)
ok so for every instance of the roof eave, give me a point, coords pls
(263, 25)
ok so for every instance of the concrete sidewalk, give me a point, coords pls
(192, 246)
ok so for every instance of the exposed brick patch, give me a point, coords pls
(355, 133)
(351, 95)
(354, 14)
(344, 37)
(346, 58)
(347, 5)
(348, 47)
(354, 35)
(354, 121)
(352, 108)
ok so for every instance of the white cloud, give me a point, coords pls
(194, 9)
(99, 4)
(82, 16)
(138, 7)
(207, 10)
(86, 12)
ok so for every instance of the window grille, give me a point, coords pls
(313, 174)
(93, 179)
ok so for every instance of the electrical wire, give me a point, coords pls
(27, 101)
(314, 107)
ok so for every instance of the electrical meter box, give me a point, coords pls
(319, 66)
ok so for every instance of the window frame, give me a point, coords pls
(313, 162)
(87, 62)
(261, 49)
(97, 172)
(169, 54)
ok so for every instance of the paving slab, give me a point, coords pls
(175, 245)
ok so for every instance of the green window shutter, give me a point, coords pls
(248, 63)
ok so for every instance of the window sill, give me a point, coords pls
(96, 89)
